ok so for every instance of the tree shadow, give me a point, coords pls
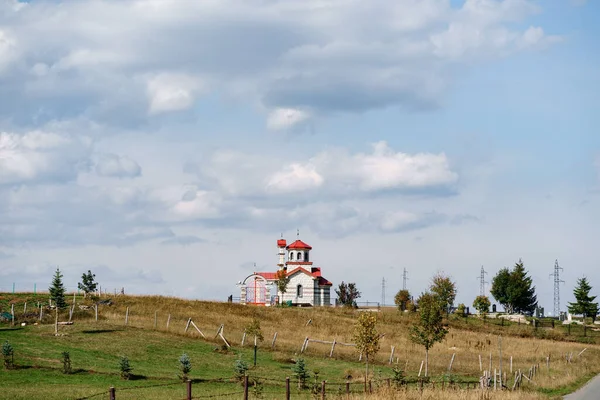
(101, 331)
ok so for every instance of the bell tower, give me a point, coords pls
(281, 244)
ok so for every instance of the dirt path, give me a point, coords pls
(591, 391)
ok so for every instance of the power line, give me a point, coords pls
(557, 282)
(482, 281)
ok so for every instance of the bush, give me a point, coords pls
(240, 368)
(8, 353)
(66, 360)
(185, 366)
(125, 368)
(398, 378)
(301, 372)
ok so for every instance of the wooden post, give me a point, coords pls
(580, 353)
(323, 390)
(495, 376)
(480, 365)
(245, 387)
(155, 319)
(370, 387)
(332, 348)
(420, 368)
(96, 308)
(127, 316)
(41, 312)
(12, 312)
(287, 388)
(392, 355)
(511, 365)
(168, 321)
(548, 361)
(451, 362)
(243, 338)
(189, 389)
(255, 349)
(187, 325)
(490, 368)
(274, 339)
(111, 392)
(500, 359)
(25, 308)
(348, 388)
(56, 321)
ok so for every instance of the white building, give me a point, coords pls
(306, 286)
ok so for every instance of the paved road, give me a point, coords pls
(591, 391)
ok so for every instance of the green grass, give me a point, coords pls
(95, 349)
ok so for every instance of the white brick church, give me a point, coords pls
(306, 287)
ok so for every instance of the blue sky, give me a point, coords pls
(166, 146)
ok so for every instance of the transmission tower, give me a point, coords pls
(404, 279)
(557, 282)
(383, 292)
(482, 281)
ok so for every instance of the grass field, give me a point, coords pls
(95, 348)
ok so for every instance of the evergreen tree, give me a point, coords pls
(584, 302)
(514, 290)
(522, 293)
(57, 290)
(88, 283)
(347, 294)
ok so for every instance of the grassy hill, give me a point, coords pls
(95, 348)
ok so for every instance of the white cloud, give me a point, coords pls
(172, 92)
(295, 178)
(286, 118)
(113, 165)
(41, 156)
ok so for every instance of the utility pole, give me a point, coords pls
(404, 279)
(482, 281)
(383, 292)
(557, 282)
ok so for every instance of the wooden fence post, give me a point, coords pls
(96, 309)
(41, 311)
(392, 355)
(348, 388)
(155, 319)
(274, 339)
(245, 387)
(332, 348)
(480, 365)
(12, 312)
(111, 392)
(323, 390)
(189, 389)
(127, 316)
(168, 321)
(287, 388)
(451, 362)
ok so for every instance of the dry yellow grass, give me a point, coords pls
(329, 323)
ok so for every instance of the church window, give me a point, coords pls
(306, 256)
(299, 291)
(291, 255)
(299, 255)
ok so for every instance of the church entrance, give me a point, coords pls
(256, 290)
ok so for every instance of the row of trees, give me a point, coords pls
(57, 288)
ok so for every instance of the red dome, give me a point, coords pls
(299, 244)
(281, 243)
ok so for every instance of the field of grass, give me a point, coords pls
(96, 346)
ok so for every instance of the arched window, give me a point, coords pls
(299, 255)
(306, 256)
(291, 255)
(299, 291)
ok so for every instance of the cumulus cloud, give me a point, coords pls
(113, 165)
(41, 157)
(294, 178)
(172, 92)
(328, 57)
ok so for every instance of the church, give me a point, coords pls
(307, 287)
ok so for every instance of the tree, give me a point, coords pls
(429, 328)
(57, 290)
(482, 305)
(444, 290)
(282, 281)
(584, 302)
(501, 288)
(185, 366)
(514, 290)
(88, 283)
(125, 368)
(347, 294)
(402, 299)
(366, 338)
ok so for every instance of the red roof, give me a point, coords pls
(267, 275)
(281, 243)
(316, 273)
(299, 244)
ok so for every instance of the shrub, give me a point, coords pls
(8, 353)
(125, 368)
(240, 368)
(398, 377)
(185, 366)
(301, 372)
(66, 360)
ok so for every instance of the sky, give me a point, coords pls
(167, 145)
